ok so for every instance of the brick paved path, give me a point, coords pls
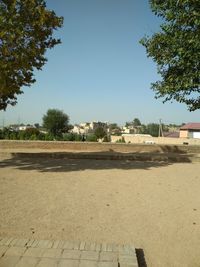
(60, 253)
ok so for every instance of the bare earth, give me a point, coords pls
(155, 206)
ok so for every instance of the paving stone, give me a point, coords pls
(35, 243)
(107, 264)
(6, 241)
(98, 247)
(128, 259)
(90, 255)
(115, 248)
(82, 245)
(104, 247)
(44, 244)
(52, 253)
(128, 250)
(68, 245)
(108, 256)
(8, 261)
(122, 264)
(88, 246)
(34, 252)
(55, 244)
(3, 250)
(30, 243)
(120, 248)
(93, 246)
(48, 263)
(13, 242)
(109, 247)
(71, 254)
(27, 262)
(15, 251)
(61, 244)
(48, 253)
(68, 263)
(21, 242)
(85, 263)
(76, 245)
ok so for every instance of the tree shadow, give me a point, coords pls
(140, 257)
(68, 162)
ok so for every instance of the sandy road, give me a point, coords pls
(156, 206)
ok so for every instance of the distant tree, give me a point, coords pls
(69, 127)
(100, 132)
(26, 32)
(113, 126)
(176, 50)
(121, 140)
(136, 122)
(55, 121)
(37, 125)
(106, 139)
(31, 133)
(127, 124)
(143, 129)
(152, 129)
(91, 138)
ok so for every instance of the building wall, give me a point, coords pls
(13, 146)
(190, 134)
(183, 134)
(196, 135)
(157, 140)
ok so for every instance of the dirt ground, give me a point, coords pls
(155, 206)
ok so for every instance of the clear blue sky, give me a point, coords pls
(100, 71)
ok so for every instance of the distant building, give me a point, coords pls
(96, 124)
(171, 134)
(25, 127)
(87, 128)
(190, 130)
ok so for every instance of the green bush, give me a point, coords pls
(1, 134)
(22, 135)
(122, 140)
(68, 137)
(13, 136)
(33, 137)
(106, 139)
(41, 136)
(91, 138)
(78, 137)
(49, 137)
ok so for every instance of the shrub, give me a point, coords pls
(122, 140)
(49, 137)
(91, 138)
(106, 139)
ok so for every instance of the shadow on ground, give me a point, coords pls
(140, 257)
(67, 162)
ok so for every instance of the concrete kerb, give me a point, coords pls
(26, 252)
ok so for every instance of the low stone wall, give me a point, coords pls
(97, 147)
(156, 140)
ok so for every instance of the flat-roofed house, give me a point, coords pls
(190, 130)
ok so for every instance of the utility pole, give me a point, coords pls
(3, 121)
(160, 128)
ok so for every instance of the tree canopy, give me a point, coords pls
(26, 29)
(176, 50)
(136, 122)
(100, 132)
(55, 121)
